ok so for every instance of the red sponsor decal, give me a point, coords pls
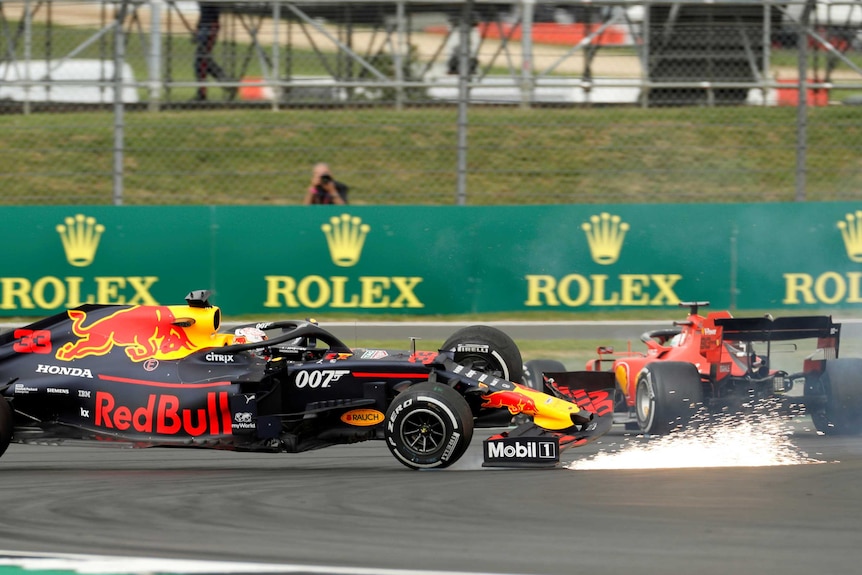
(145, 331)
(32, 341)
(424, 357)
(163, 415)
(599, 402)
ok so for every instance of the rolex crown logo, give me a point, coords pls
(345, 236)
(80, 235)
(851, 232)
(605, 235)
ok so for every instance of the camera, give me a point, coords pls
(325, 179)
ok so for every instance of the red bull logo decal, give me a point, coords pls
(514, 401)
(163, 415)
(146, 332)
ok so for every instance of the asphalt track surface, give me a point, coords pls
(357, 507)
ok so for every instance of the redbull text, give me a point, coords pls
(162, 415)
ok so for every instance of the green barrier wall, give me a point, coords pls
(434, 260)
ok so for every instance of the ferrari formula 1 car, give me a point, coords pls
(720, 363)
(151, 375)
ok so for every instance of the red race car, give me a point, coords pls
(718, 363)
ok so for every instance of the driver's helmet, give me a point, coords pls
(249, 335)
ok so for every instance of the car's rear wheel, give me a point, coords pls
(5, 425)
(428, 425)
(667, 396)
(535, 369)
(487, 349)
(841, 385)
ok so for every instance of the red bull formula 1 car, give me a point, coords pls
(151, 376)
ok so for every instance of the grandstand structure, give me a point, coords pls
(520, 52)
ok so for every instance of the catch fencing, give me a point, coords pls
(433, 102)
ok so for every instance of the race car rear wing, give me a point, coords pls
(769, 330)
(778, 329)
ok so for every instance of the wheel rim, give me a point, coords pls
(423, 432)
(645, 406)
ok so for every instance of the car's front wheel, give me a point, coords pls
(667, 396)
(428, 425)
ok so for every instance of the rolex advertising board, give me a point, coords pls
(427, 260)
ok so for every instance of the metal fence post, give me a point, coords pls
(154, 57)
(119, 58)
(463, 98)
(527, 80)
(802, 105)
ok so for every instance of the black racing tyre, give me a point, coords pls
(841, 382)
(487, 349)
(667, 396)
(535, 368)
(428, 425)
(5, 425)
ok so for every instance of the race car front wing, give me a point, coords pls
(530, 445)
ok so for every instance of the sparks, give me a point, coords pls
(730, 440)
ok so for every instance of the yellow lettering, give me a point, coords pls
(633, 289)
(854, 280)
(539, 286)
(338, 293)
(141, 286)
(16, 289)
(575, 290)
(278, 287)
(108, 290)
(564, 290)
(51, 283)
(73, 288)
(50, 293)
(822, 285)
(304, 291)
(335, 292)
(372, 291)
(599, 298)
(405, 292)
(796, 285)
(665, 284)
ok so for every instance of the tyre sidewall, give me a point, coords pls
(503, 353)
(677, 394)
(841, 383)
(645, 418)
(439, 404)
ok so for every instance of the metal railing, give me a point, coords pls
(430, 102)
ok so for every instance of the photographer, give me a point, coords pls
(324, 188)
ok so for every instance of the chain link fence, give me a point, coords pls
(478, 103)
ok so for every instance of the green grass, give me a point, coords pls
(572, 155)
